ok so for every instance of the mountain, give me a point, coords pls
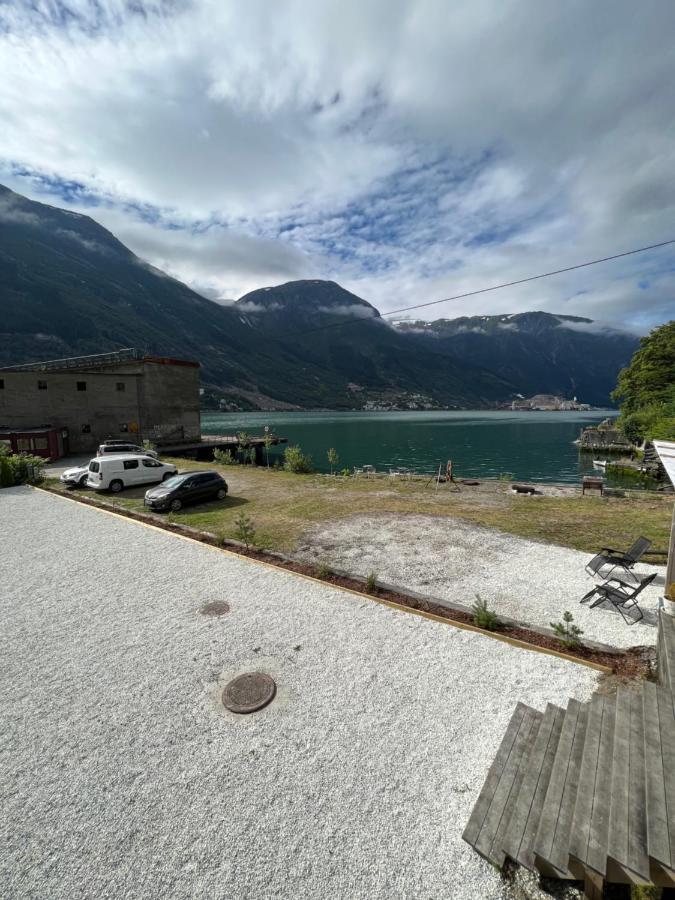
(69, 287)
(536, 352)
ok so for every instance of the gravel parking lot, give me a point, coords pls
(123, 776)
(450, 559)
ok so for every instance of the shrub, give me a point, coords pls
(506, 476)
(371, 582)
(484, 617)
(297, 461)
(323, 571)
(346, 473)
(148, 445)
(224, 457)
(244, 530)
(6, 472)
(567, 632)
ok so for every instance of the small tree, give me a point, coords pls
(296, 461)
(268, 442)
(244, 439)
(244, 530)
(568, 633)
(333, 459)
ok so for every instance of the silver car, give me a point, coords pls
(75, 477)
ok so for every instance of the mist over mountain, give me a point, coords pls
(69, 287)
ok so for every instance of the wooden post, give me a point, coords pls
(670, 565)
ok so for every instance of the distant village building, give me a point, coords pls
(72, 405)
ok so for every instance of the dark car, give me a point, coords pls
(190, 487)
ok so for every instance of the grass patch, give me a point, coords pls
(283, 505)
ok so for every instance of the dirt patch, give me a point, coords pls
(215, 608)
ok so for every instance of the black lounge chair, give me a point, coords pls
(621, 596)
(623, 559)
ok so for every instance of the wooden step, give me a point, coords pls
(627, 836)
(530, 801)
(493, 808)
(659, 750)
(551, 844)
(590, 827)
(665, 652)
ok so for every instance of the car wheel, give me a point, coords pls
(116, 486)
(83, 481)
(222, 494)
(167, 475)
(176, 505)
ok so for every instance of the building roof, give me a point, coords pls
(96, 360)
(666, 452)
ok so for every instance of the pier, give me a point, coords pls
(204, 448)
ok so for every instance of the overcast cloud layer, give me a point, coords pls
(408, 150)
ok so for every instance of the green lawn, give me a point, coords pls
(281, 505)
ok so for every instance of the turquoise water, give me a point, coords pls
(534, 446)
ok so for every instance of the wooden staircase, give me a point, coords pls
(588, 793)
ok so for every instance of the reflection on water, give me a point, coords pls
(532, 446)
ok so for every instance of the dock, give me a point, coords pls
(204, 448)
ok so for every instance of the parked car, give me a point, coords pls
(115, 472)
(108, 447)
(76, 476)
(188, 487)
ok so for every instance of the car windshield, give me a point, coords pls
(174, 481)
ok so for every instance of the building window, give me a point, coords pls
(2, 384)
(40, 443)
(86, 429)
(82, 385)
(120, 386)
(42, 385)
(23, 445)
(124, 427)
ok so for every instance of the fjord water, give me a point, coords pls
(532, 446)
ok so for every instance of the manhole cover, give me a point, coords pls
(249, 692)
(215, 608)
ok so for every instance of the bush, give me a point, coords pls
(506, 476)
(371, 582)
(345, 472)
(484, 617)
(6, 473)
(148, 445)
(20, 468)
(244, 530)
(568, 633)
(296, 461)
(323, 571)
(224, 458)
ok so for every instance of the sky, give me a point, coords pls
(410, 151)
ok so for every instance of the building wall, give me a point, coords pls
(135, 401)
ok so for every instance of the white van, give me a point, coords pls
(115, 472)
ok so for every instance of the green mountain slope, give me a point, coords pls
(536, 352)
(69, 287)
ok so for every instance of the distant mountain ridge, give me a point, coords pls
(69, 287)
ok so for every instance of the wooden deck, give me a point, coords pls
(588, 793)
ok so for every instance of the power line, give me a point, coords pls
(486, 290)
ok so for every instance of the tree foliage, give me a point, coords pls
(646, 388)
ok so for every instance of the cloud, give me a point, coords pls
(249, 306)
(351, 310)
(12, 214)
(409, 152)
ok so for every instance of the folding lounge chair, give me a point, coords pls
(623, 559)
(620, 595)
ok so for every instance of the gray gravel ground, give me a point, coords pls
(454, 560)
(123, 776)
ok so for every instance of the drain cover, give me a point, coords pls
(249, 692)
(215, 608)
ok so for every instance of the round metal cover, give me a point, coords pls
(249, 692)
(215, 608)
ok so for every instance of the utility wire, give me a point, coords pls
(494, 287)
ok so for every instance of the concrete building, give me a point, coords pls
(121, 395)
